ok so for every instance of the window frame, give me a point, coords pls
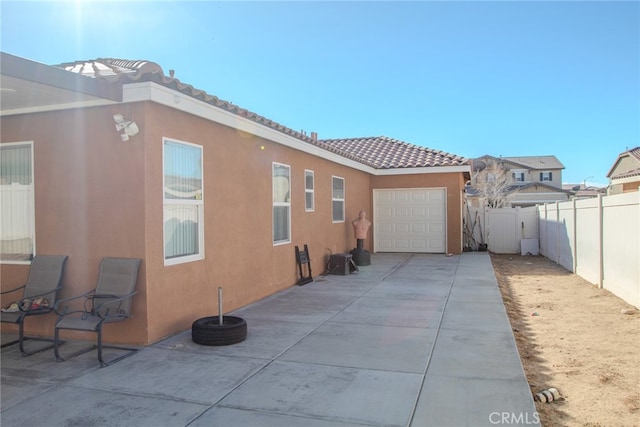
(546, 174)
(311, 191)
(183, 202)
(517, 172)
(275, 204)
(32, 201)
(338, 199)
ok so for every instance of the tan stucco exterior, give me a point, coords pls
(98, 196)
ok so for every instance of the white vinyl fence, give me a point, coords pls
(598, 238)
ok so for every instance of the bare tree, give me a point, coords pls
(491, 182)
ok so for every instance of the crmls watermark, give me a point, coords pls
(512, 418)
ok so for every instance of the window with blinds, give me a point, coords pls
(183, 202)
(309, 195)
(17, 210)
(281, 203)
(337, 199)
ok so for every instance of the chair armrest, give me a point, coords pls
(13, 290)
(104, 311)
(66, 301)
(25, 303)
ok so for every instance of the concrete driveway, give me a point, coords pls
(412, 340)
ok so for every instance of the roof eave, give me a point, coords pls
(31, 71)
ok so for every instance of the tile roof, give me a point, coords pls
(634, 153)
(377, 152)
(627, 174)
(388, 153)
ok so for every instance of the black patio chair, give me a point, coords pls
(109, 302)
(38, 297)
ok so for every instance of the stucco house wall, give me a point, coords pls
(240, 255)
(90, 203)
(98, 196)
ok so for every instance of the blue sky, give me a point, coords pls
(509, 78)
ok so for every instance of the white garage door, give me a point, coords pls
(410, 220)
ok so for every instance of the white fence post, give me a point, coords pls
(600, 242)
(575, 235)
(558, 230)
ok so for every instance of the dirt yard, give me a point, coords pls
(576, 338)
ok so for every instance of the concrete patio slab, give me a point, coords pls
(411, 340)
(75, 406)
(488, 355)
(266, 339)
(486, 403)
(388, 348)
(192, 377)
(477, 316)
(230, 417)
(420, 313)
(350, 395)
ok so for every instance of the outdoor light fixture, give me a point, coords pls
(130, 128)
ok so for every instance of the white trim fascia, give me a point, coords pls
(149, 91)
(625, 180)
(57, 107)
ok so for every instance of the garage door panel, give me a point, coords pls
(435, 213)
(435, 228)
(419, 211)
(402, 196)
(402, 228)
(419, 246)
(385, 228)
(410, 220)
(401, 244)
(385, 197)
(419, 228)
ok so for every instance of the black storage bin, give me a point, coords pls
(340, 264)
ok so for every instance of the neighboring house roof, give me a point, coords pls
(628, 174)
(530, 162)
(634, 154)
(519, 186)
(376, 152)
(580, 190)
(386, 153)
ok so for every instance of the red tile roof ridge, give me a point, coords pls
(387, 153)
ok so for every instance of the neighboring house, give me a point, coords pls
(582, 191)
(531, 180)
(114, 158)
(624, 175)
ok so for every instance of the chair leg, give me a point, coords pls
(55, 345)
(130, 351)
(102, 364)
(7, 344)
(99, 346)
(22, 338)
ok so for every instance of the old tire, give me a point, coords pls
(208, 331)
